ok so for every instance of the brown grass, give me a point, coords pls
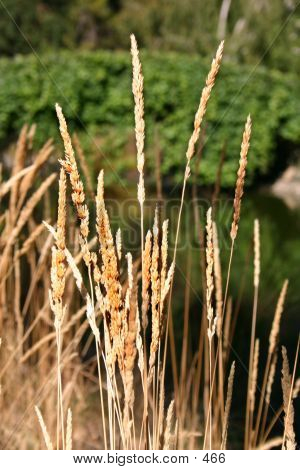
(106, 330)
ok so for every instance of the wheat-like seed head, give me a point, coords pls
(137, 90)
(286, 382)
(228, 406)
(58, 268)
(119, 244)
(110, 273)
(165, 276)
(58, 272)
(44, 429)
(97, 274)
(160, 285)
(239, 189)
(277, 318)
(218, 279)
(209, 275)
(210, 81)
(155, 291)
(130, 281)
(129, 336)
(61, 217)
(69, 152)
(78, 196)
(164, 253)
(271, 380)
(146, 278)
(168, 430)
(168, 282)
(139, 344)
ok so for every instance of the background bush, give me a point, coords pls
(94, 89)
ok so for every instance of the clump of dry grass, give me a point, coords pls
(111, 322)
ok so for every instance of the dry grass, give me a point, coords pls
(88, 328)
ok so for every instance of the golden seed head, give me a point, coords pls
(273, 338)
(239, 189)
(210, 81)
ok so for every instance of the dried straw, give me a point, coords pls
(256, 253)
(227, 325)
(254, 376)
(69, 430)
(19, 161)
(23, 218)
(31, 239)
(42, 156)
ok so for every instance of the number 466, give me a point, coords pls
(214, 458)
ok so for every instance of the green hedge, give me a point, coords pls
(94, 89)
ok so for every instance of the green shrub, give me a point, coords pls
(94, 89)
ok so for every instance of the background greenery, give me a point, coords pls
(94, 89)
(264, 30)
(56, 52)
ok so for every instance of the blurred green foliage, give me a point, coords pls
(260, 30)
(94, 89)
